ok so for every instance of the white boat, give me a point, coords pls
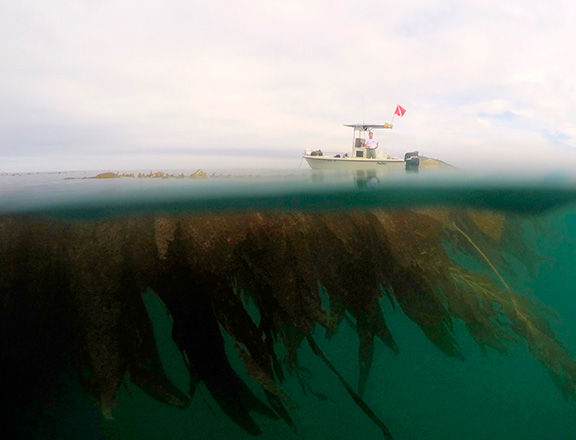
(356, 159)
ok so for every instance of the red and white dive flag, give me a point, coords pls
(400, 111)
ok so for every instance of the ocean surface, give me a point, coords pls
(288, 304)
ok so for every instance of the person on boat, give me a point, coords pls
(371, 145)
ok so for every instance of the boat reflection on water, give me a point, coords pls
(366, 178)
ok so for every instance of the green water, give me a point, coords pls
(89, 198)
(419, 393)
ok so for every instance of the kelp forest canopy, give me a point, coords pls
(71, 295)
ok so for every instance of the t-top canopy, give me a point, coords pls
(368, 126)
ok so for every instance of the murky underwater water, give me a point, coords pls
(308, 306)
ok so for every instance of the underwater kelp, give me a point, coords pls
(70, 295)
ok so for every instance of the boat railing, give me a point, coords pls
(358, 154)
(311, 152)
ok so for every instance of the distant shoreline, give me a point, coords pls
(198, 174)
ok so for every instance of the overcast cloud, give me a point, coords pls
(169, 84)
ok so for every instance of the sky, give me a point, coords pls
(173, 84)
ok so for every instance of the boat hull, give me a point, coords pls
(351, 163)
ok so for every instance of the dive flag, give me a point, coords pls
(400, 111)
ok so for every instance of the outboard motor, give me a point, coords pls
(412, 161)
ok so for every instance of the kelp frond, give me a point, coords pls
(299, 271)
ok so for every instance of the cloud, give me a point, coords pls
(157, 79)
